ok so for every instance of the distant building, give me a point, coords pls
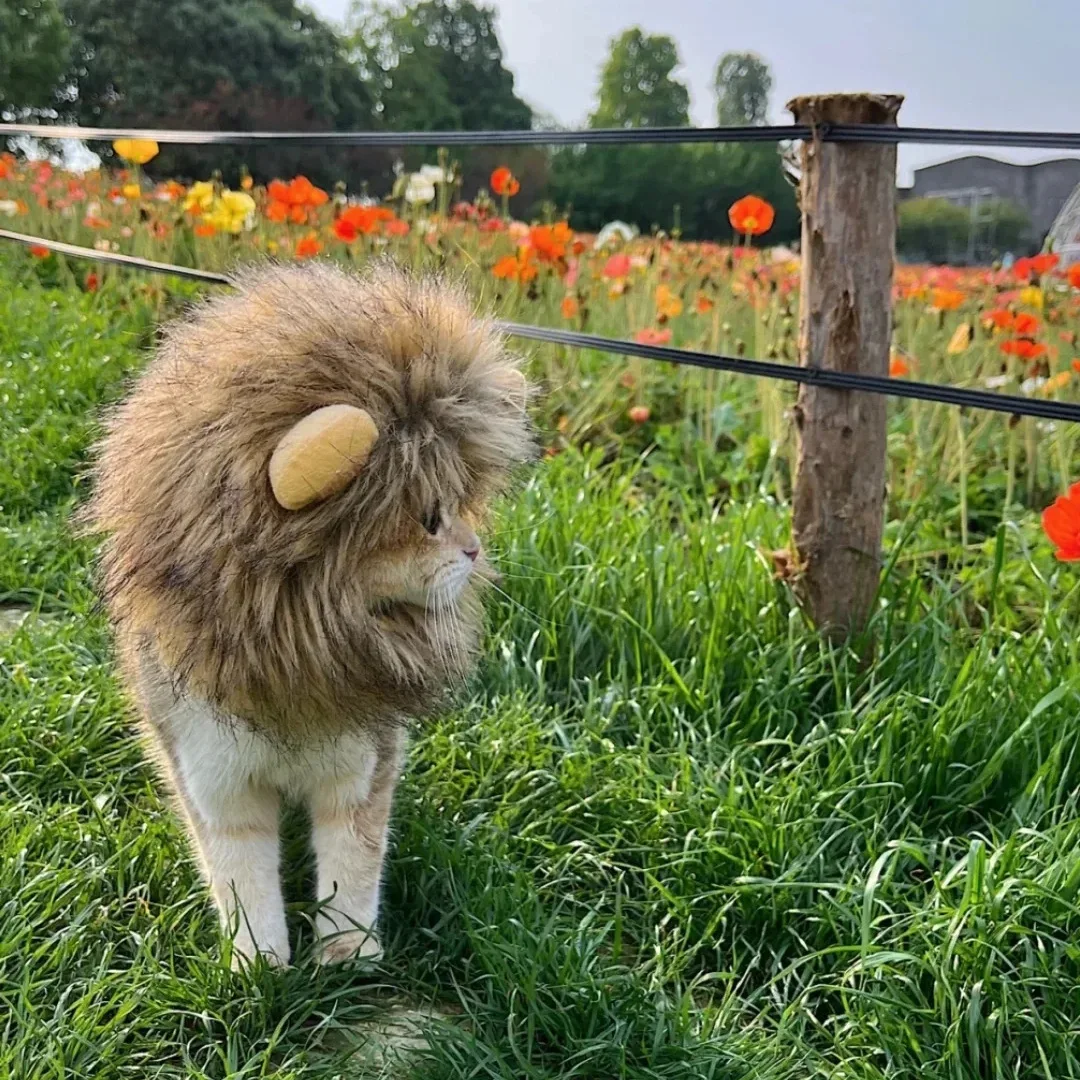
(1042, 189)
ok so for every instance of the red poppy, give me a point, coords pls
(345, 230)
(1074, 275)
(397, 227)
(1035, 265)
(503, 182)
(1025, 323)
(92, 282)
(898, 367)
(1022, 347)
(651, 336)
(1061, 523)
(751, 216)
(39, 252)
(493, 225)
(617, 266)
(204, 228)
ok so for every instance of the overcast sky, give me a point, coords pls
(960, 63)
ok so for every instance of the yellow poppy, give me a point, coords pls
(231, 211)
(1032, 296)
(137, 151)
(200, 196)
(960, 340)
(131, 191)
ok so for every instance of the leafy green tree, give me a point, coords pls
(436, 65)
(931, 230)
(643, 185)
(743, 83)
(636, 84)
(34, 46)
(216, 64)
(936, 230)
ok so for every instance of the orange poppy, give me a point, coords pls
(1076, 365)
(549, 241)
(898, 367)
(668, 305)
(569, 307)
(299, 191)
(751, 216)
(355, 221)
(277, 211)
(1074, 275)
(204, 228)
(1061, 523)
(517, 267)
(39, 252)
(703, 305)
(308, 246)
(946, 299)
(1025, 323)
(651, 336)
(503, 182)
(397, 227)
(999, 318)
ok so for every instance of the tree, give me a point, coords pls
(636, 86)
(34, 48)
(216, 64)
(436, 65)
(936, 230)
(742, 83)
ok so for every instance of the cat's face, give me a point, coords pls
(432, 564)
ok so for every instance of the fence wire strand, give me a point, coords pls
(852, 133)
(834, 380)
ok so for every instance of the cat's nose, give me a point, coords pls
(471, 551)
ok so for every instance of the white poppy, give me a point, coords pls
(433, 174)
(420, 189)
(9, 207)
(614, 230)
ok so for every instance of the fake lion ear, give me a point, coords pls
(321, 455)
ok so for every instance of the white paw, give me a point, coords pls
(244, 952)
(337, 946)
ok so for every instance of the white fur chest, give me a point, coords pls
(218, 761)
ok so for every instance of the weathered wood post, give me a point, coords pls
(848, 196)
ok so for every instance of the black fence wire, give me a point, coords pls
(763, 369)
(836, 380)
(855, 133)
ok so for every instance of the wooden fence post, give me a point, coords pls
(848, 196)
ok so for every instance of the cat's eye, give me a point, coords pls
(433, 520)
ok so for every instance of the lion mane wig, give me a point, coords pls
(265, 604)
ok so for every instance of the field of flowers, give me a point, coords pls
(1011, 328)
(666, 832)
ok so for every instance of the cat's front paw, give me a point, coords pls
(338, 946)
(245, 952)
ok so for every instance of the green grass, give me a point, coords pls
(665, 834)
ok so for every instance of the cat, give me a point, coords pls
(288, 503)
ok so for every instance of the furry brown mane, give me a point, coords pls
(260, 610)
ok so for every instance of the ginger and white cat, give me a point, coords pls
(288, 501)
